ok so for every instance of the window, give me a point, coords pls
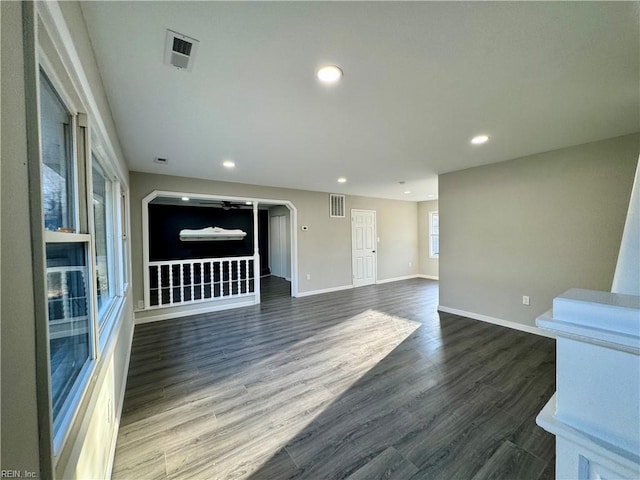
(58, 164)
(69, 325)
(68, 277)
(84, 216)
(434, 235)
(103, 230)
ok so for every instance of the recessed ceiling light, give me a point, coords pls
(430, 196)
(342, 180)
(248, 203)
(228, 164)
(479, 139)
(329, 74)
(407, 192)
(185, 199)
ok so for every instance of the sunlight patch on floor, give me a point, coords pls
(287, 391)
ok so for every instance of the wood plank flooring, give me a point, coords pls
(369, 383)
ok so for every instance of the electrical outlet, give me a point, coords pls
(525, 299)
(308, 276)
(140, 304)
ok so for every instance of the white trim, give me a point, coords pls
(497, 321)
(324, 290)
(601, 450)
(375, 243)
(195, 311)
(396, 279)
(265, 201)
(428, 277)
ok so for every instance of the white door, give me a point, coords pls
(278, 245)
(363, 247)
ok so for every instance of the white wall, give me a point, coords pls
(534, 226)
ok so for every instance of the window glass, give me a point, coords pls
(103, 226)
(58, 172)
(69, 322)
(434, 236)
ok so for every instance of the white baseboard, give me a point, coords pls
(498, 321)
(428, 277)
(196, 311)
(396, 279)
(407, 277)
(324, 290)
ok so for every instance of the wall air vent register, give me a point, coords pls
(336, 205)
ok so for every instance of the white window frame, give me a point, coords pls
(108, 317)
(432, 235)
(61, 425)
(99, 332)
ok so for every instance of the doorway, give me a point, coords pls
(363, 247)
(278, 234)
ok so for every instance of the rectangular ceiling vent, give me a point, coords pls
(336, 205)
(180, 50)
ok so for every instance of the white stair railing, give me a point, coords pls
(181, 282)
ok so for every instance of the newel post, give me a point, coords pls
(256, 255)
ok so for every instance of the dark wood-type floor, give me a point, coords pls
(368, 383)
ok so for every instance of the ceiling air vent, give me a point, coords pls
(336, 205)
(180, 50)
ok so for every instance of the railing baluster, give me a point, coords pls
(246, 276)
(230, 277)
(181, 282)
(159, 273)
(192, 281)
(170, 284)
(239, 278)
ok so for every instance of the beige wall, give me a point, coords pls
(324, 250)
(20, 445)
(428, 266)
(535, 226)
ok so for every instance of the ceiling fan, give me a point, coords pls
(224, 204)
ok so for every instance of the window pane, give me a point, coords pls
(435, 229)
(69, 334)
(435, 245)
(58, 174)
(102, 211)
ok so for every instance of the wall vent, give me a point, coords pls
(180, 50)
(336, 205)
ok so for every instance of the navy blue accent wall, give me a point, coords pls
(166, 221)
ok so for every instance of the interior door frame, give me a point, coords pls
(375, 242)
(293, 230)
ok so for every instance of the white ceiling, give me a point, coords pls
(420, 79)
